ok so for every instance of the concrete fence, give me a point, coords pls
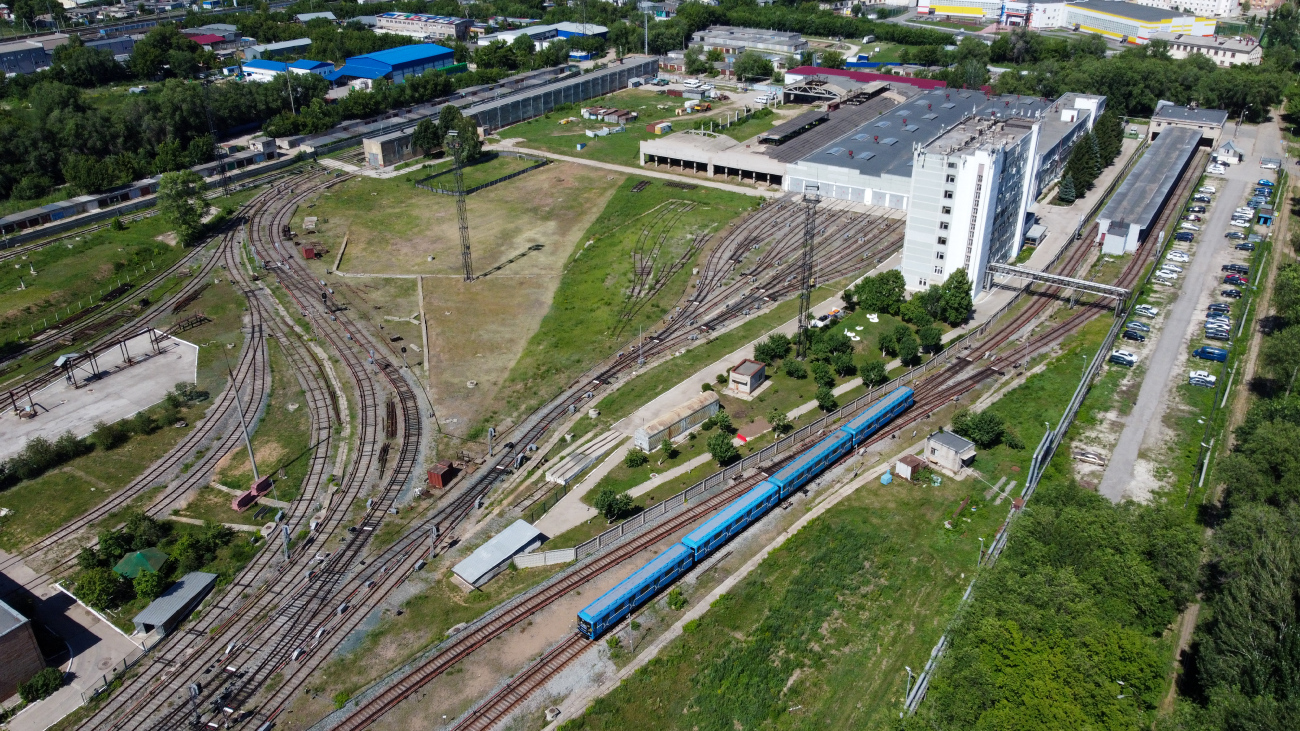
(545, 558)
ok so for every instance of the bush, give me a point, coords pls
(39, 456)
(722, 420)
(795, 369)
(780, 422)
(776, 347)
(721, 379)
(722, 449)
(676, 600)
(986, 428)
(110, 436)
(706, 387)
(635, 458)
(149, 585)
(101, 588)
(42, 685)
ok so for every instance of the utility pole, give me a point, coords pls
(457, 148)
(647, 33)
(811, 197)
(219, 152)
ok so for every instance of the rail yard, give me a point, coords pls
(368, 529)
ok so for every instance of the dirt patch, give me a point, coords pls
(236, 460)
(168, 238)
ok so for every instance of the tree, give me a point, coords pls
(914, 312)
(722, 420)
(822, 375)
(908, 348)
(986, 428)
(722, 449)
(779, 421)
(148, 585)
(427, 136)
(842, 364)
(874, 373)
(776, 347)
(636, 458)
(1065, 192)
(1281, 356)
(1286, 293)
(826, 399)
(101, 588)
(523, 48)
(695, 63)
(751, 65)
(884, 293)
(611, 502)
(795, 369)
(181, 202)
(955, 301)
(667, 449)
(834, 60)
(931, 338)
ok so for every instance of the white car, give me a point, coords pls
(1171, 268)
(1215, 171)
(1207, 189)
(1244, 211)
(1189, 226)
(1178, 256)
(1166, 272)
(1146, 310)
(1239, 222)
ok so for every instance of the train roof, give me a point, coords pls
(701, 534)
(874, 410)
(612, 597)
(802, 461)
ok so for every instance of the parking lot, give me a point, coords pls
(1164, 361)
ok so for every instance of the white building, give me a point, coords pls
(1222, 50)
(542, 35)
(1041, 16)
(419, 25)
(1133, 23)
(973, 9)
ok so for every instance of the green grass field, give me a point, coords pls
(584, 323)
(623, 148)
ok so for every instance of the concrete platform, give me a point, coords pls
(120, 392)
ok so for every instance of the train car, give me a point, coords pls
(879, 414)
(615, 604)
(811, 463)
(732, 519)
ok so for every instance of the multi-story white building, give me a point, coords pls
(974, 9)
(1222, 50)
(1033, 14)
(419, 25)
(735, 41)
(970, 191)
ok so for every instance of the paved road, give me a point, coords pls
(1161, 358)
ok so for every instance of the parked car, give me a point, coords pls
(1209, 352)
(1202, 198)
(1192, 217)
(1235, 279)
(1146, 310)
(1245, 246)
(1233, 294)
(1141, 327)
(1178, 256)
(1254, 238)
(1218, 336)
(1216, 170)
(1220, 307)
(1201, 378)
(1171, 267)
(1135, 336)
(1239, 222)
(1235, 235)
(1196, 209)
(1123, 357)
(1237, 268)
(1266, 182)
(1207, 189)
(1188, 226)
(1166, 273)
(1184, 236)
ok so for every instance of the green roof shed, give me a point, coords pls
(150, 559)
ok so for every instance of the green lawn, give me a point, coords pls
(623, 148)
(584, 323)
(487, 168)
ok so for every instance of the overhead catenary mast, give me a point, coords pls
(457, 149)
(811, 198)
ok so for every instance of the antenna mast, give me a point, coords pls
(453, 141)
(811, 198)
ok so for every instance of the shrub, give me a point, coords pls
(986, 428)
(776, 347)
(110, 436)
(611, 503)
(795, 369)
(779, 421)
(42, 685)
(149, 585)
(676, 600)
(706, 387)
(101, 588)
(614, 642)
(722, 449)
(721, 379)
(635, 458)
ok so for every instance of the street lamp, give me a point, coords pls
(981, 558)
(908, 692)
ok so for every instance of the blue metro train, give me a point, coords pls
(615, 604)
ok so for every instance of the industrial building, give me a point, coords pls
(419, 25)
(949, 451)
(263, 71)
(1133, 23)
(493, 557)
(391, 148)
(394, 64)
(1209, 122)
(800, 74)
(676, 422)
(733, 41)
(296, 47)
(747, 377)
(542, 35)
(178, 602)
(29, 55)
(1222, 50)
(22, 656)
(1126, 220)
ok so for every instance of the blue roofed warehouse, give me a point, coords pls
(394, 64)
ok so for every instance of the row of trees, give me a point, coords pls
(886, 293)
(1242, 666)
(1095, 151)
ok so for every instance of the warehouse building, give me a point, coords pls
(1209, 122)
(389, 149)
(394, 64)
(542, 35)
(1133, 23)
(22, 656)
(419, 25)
(676, 422)
(29, 55)
(296, 47)
(493, 557)
(734, 41)
(1126, 220)
(971, 9)
(178, 602)
(1222, 50)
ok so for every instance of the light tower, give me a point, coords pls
(453, 141)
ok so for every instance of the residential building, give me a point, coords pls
(419, 25)
(1222, 50)
(29, 55)
(1132, 23)
(394, 64)
(735, 41)
(296, 47)
(22, 656)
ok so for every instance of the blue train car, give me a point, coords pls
(878, 414)
(632, 592)
(811, 463)
(732, 519)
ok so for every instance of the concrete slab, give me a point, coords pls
(120, 392)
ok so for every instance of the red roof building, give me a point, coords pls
(207, 39)
(863, 77)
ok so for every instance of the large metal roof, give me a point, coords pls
(497, 551)
(1143, 193)
(182, 595)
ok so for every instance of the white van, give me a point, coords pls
(692, 83)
